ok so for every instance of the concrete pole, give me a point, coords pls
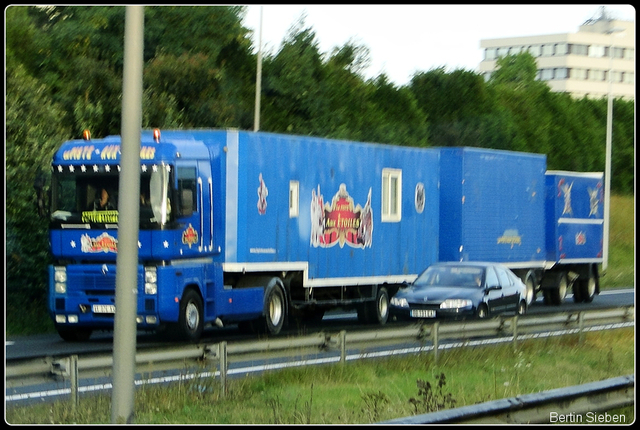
(256, 117)
(124, 336)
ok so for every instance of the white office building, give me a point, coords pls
(578, 63)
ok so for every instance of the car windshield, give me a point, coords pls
(451, 276)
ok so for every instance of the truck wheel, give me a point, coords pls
(558, 294)
(191, 317)
(75, 334)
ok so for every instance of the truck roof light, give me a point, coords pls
(156, 135)
(86, 135)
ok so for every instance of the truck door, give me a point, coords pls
(194, 205)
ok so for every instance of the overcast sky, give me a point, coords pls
(403, 39)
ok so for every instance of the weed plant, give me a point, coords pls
(366, 391)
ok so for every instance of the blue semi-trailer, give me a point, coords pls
(254, 228)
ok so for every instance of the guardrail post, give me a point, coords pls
(581, 327)
(222, 354)
(434, 340)
(514, 324)
(343, 346)
(73, 378)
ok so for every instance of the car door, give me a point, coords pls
(509, 299)
(493, 291)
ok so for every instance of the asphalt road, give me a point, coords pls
(52, 345)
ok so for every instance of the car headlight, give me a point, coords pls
(455, 304)
(399, 302)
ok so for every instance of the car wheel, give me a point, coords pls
(482, 311)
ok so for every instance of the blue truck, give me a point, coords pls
(255, 228)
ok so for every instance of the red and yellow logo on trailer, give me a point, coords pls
(341, 222)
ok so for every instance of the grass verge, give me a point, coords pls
(367, 391)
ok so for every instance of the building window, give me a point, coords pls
(391, 195)
(547, 50)
(597, 51)
(294, 199)
(490, 54)
(503, 52)
(561, 73)
(546, 74)
(579, 74)
(534, 50)
(561, 49)
(578, 49)
(598, 75)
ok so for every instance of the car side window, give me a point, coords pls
(505, 280)
(492, 279)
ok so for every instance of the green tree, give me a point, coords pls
(293, 81)
(33, 131)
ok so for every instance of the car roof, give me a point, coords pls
(467, 263)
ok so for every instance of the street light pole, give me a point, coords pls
(256, 116)
(607, 163)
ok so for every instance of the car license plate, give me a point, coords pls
(104, 309)
(423, 313)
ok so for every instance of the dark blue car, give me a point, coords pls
(461, 290)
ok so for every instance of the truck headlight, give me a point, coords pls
(60, 279)
(150, 280)
(455, 304)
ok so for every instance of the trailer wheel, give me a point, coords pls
(522, 308)
(274, 311)
(190, 318)
(375, 312)
(558, 294)
(587, 289)
(75, 334)
(577, 291)
(531, 290)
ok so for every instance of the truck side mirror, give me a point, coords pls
(186, 202)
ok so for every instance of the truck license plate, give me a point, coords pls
(104, 309)
(423, 313)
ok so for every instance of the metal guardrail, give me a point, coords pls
(580, 404)
(516, 328)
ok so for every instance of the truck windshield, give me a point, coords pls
(92, 198)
